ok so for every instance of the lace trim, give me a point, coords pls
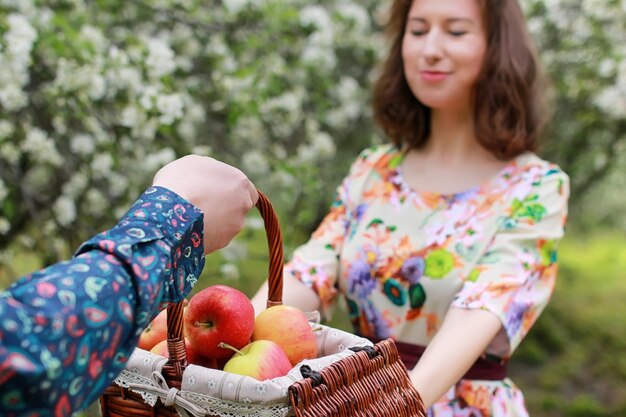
(126, 378)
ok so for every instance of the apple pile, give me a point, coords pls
(221, 332)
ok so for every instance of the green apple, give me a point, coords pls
(262, 359)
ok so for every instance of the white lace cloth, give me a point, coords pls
(213, 392)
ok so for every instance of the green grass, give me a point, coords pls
(572, 364)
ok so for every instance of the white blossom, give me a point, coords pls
(26, 7)
(235, 6)
(118, 184)
(289, 101)
(5, 226)
(229, 271)
(97, 87)
(234, 251)
(10, 153)
(597, 8)
(254, 223)
(318, 54)
(283, 179)
(607, 67)
(323, 145)
(317, 17)
(202, 150)
(160, 60)
(97, 203)
(355, 13)
(95, 37)
(6, 129)
(76, 185)
(612, 102)
(101, 165)
(83, 144)
(64, 210)
(171, 108)
(41, 147)
(255, 163)
(250, 130)
(187, 130)
(125, 78)
(306, 153)
(4, 191)
(20, 36)
(149, 97)
(130, 116)
(12, 97)
(156, 160)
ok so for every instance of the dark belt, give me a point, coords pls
(485, 368)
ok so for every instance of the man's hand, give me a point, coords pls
(222, 192)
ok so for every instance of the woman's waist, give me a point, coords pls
(486, 367)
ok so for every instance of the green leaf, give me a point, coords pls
(374, 222)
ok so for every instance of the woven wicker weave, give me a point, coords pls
(372, 382)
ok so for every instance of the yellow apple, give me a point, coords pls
(289, 327)
(261, 360)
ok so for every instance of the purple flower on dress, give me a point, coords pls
(360, 280)
(359, 211)
(514, 318)
(464, 195)
(377, 323)
(413, 269)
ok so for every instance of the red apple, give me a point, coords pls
(155, 332)
(261, 360)
(219, 313)
(289, 327)
(193, 356)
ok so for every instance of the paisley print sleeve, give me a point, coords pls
(68, 330)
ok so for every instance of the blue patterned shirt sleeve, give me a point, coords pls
(68, 330)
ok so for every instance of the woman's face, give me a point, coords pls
(443, 50)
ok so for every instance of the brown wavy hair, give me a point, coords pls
(509, 105)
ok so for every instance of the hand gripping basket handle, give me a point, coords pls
(173, 370)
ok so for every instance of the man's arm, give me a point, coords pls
(68, 330)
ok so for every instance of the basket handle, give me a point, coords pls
(173, 369)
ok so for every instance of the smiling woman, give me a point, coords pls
(443, 50)
(445, 240)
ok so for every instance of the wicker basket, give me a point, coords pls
(371, 382)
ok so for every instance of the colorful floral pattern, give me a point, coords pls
(68, 330)
(401, 258)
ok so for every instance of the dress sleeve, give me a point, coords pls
(515, 276)
(67, 331)
(316, 263)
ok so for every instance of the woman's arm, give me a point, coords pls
(295, 293)
(463, 337)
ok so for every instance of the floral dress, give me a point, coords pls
(401, 257)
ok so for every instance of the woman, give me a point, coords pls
(446, 238)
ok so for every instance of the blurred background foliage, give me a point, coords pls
(96, 95)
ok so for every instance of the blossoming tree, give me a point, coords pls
(96, 95)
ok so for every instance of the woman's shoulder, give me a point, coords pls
(530, 175)
(531, 165)
(379, 156)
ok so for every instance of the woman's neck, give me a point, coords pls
(452, 137)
